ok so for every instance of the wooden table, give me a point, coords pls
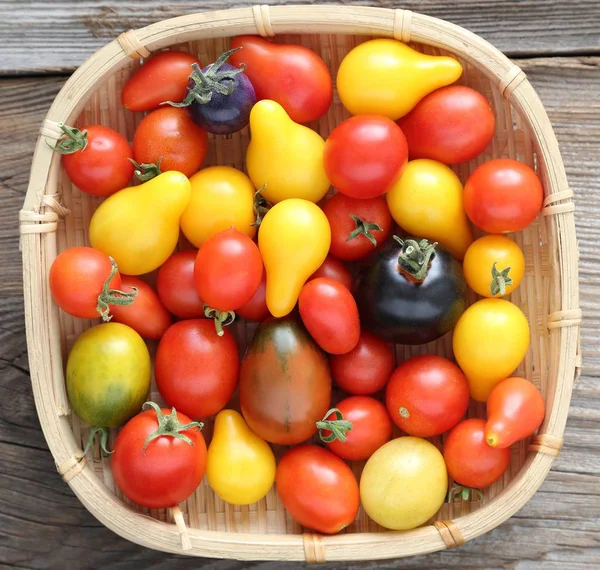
(43, 525)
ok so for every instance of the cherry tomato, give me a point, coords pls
(365, 155)
(367, 368)
(371, 427)
(451, 125)
(330, 315)
(170, 133)
(357, 226)
(502, 196)
(334, 269)
(427, 395)
(317, 489)
(196, 370)
(256, 308)
(469, 459)
(146, 315)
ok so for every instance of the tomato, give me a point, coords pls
(357, 226)
(96, 159)
(169, 135)
(163, 77)
(494, 266)
(370, 423)
(317, 489)
(196, 370)
(427, 395)
(159, 458)
(470, 460)
(293, 75)
(256, 308)
(330, 314)
(366, 368)
(146, 315)
(453, 124)
(334, 269)
(364, 156)
(502, 196)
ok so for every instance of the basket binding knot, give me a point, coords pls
(550, 207)
(450, 533)
(314, 548)
(402, 25)
(262, 20)
(132, 46)
(546, 443)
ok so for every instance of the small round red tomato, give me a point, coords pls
(334, 269)
(471, 462)
(170, 133)
(360, 426)
(159, 469)
(365, 156)
(329, 313)
(196, 370)
(367, 368)
(357, 226)
(451, 125)
(427, 395)
(317, 489)
(503, 196)
(256, 308)
(163, 77)
(96, 159)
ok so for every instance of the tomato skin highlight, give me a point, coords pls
(333, 268)
(176, 286)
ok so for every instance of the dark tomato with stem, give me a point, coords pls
(256, 308)
(334, 269)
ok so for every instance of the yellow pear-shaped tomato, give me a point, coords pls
(284, 156)
(240, 466)
(294, 239)
(427, 202)
(222, 197)
(139, 226)
(386, 77)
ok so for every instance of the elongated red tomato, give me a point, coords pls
(176, 286)
(334, 269)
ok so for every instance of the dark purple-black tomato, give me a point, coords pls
(411, 292)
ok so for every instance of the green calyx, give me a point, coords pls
(102, 433)
(365, 229)
(109, 296)
(500, 279)
(338, 427)
(465, 493)
(415, 258)
(146, 171)
(221, 318)
(72, 141)
(261, 206)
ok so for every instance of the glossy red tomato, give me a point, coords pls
(292, 75)
(256, 308)
(163, 471)
(502, 196)
(469, 459)
(365, 155)
(329, 313)
(427, 395)
(317, 488)
(196, 370)
(334, 269)
(357, 226)
(451, 125)
(170, 133)
(163, 77)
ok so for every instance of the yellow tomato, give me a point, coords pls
(386, 77)
(490, 340)
(222, 197)
(404, 483)
(494, 266)
(240, 467)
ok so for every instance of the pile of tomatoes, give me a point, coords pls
(333, 279)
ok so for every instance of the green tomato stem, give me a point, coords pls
(415, 258)
(73, 140)
(365, 229)
(500, 279)
(103, 434)
(338, 427)
(221, 318)
(146, 171)
(464, 492)
(261, 206)
(113, 296)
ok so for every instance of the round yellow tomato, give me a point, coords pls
(490, 340)
(222, 197)
(404, 483)
(494, 266)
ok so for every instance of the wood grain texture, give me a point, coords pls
(58, 40)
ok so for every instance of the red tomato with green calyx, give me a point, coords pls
(334, 269)
(256, 309)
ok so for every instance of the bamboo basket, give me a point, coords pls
(55, 216)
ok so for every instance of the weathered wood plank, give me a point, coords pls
(40, 40)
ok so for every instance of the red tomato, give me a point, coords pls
(171, 134)
(96, 159)
(329, 313)
(367, 368)
(357, 226)
(451, 125)
(197, 370)
(334, 269)
(371, 428)
(427, 395)
(317, 488)
(503, 196)
(292, 75)
(469, 459)
(365, 155)
(146, 315)
(256, 308)
(176, 286)
(161, 472)
(163, 77)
